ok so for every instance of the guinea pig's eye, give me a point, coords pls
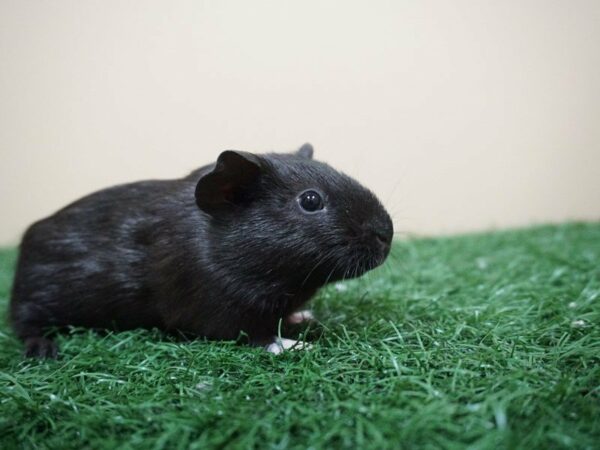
(311, 201)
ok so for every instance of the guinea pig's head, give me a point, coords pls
(289, 216)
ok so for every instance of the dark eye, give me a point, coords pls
(311, 201)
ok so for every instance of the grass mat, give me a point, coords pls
(479, 341)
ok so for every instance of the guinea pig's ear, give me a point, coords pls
(229, 181)
(306, 151)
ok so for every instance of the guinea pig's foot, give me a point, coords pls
(280, 345)
(40, 347)
(300, 317)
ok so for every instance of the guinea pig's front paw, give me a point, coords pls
(300, 317)
(40, 347)
(279, 345)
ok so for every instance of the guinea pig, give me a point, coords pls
(229, 250)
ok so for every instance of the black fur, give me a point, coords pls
(225, 250)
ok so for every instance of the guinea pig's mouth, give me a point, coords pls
(361, 263)
(367, 248)
(371, 263)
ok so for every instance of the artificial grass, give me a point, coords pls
(479, 341)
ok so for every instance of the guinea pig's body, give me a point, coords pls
(233, 247)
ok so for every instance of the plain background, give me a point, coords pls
(460, 115)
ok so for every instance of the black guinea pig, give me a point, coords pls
(232, 248)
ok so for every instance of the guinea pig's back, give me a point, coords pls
(87, 265)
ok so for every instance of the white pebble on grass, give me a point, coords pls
(282, 344)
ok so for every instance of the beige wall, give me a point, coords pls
(461, 115)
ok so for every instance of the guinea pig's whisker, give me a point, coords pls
(323, 259)
(332, 272)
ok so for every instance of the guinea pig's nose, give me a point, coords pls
(383, 238)
(384, 232)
